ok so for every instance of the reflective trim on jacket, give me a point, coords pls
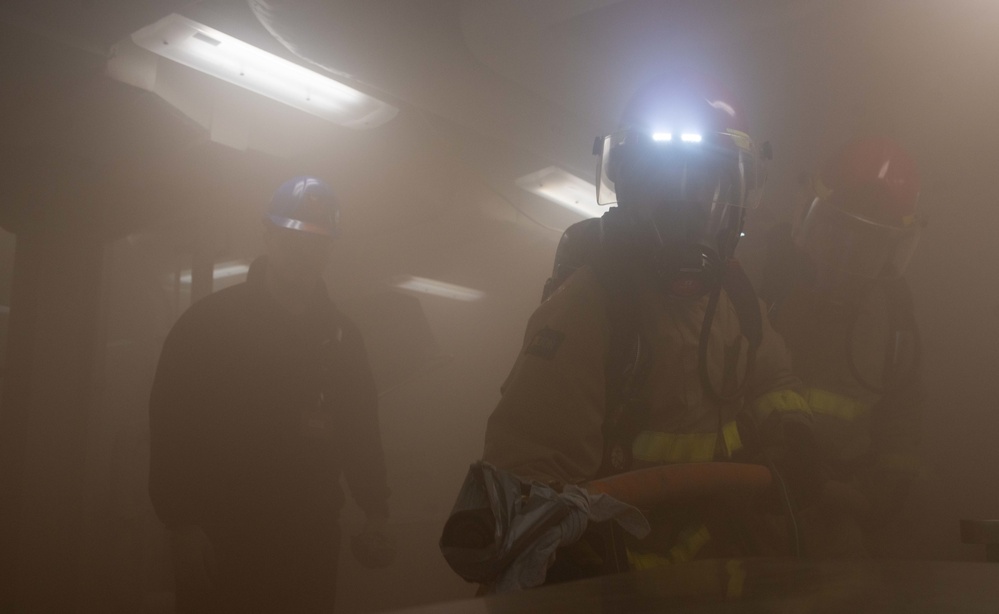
(548, 423)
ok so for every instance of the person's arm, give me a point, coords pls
(361, 443)
(364, 458)
(782, 419)
(178, 429)
(178, 432)
(895, 439)
(896, 419)
(775, 394)
(548, 424)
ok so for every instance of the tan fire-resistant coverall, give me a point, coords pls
(548, 424)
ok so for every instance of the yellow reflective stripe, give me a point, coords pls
(736, 578)
(659, 447)
(638, 561)
(730, 433)
(779, 401)
(836, 405)
(690, 542)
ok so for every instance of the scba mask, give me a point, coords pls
(689, 191)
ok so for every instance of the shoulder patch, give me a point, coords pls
(546, 343)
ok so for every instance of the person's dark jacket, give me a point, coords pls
(237, 379)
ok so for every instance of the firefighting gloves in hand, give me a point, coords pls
(504, 531)
(529, 569)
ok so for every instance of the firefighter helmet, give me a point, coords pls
(863, 220)
(681, 139)
(684, 164)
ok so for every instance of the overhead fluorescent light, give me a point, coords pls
(222, 271)
(662, 136)
(563, 188)
(690, 137)
(438, 288)
(212, 52)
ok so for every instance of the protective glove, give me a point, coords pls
(194, 560)
(374, 547)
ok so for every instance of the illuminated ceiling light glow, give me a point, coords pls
(690, 137)
(222, 271)
(565, 189)
(207, 50)
(662, 136)
(438, 288)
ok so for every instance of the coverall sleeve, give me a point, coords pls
(784, 424)
(895, 440)
(548, 424)
(179, 423)
(363, 455)
(896, 419)
(776, 394)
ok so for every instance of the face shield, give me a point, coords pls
(849, 243)
(690, 190)
(694, 188)
(713, 170)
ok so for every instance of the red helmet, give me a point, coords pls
(863, 220)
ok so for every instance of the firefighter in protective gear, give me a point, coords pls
(263, 398)
(834, 281)
(650, 346)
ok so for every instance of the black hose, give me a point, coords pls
(793, 530)
(890, 382)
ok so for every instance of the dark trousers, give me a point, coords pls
(291, 569)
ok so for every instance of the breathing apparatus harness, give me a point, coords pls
(895, 373)
(593, 242)
(689, 270)
(903, 331)
(606, 244)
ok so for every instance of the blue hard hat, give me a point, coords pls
(306, 204)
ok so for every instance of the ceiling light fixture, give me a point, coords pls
(438, 288)
(207, 50)
(563, 188)
(223, 270)
(690, 137)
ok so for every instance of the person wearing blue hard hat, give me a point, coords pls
(263, 399)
